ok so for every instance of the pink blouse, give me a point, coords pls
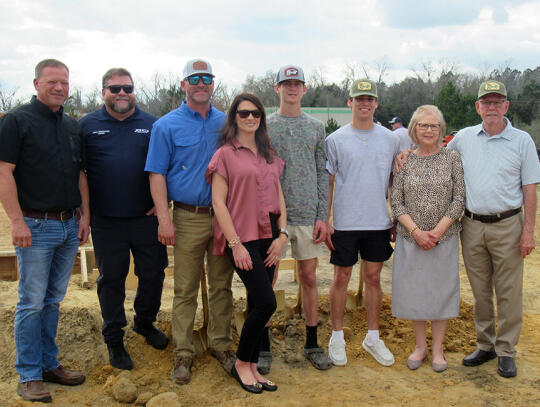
(253, 192)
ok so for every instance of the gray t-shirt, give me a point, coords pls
(299, 141)
(361, 161)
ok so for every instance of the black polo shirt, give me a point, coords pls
(46, 148)
(115, 158)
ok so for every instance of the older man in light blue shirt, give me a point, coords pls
(501, 171)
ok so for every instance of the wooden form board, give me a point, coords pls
(8, 265)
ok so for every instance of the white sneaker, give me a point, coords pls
(336, 352)
(380, 352)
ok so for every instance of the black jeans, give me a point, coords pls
(260, 298)
(113, 239)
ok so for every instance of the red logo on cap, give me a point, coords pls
(291, 72)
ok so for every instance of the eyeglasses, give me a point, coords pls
(244, 114)
(116, 88)
(195, 79)
(425, 126)
(495, 103)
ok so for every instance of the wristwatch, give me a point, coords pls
(284, 231)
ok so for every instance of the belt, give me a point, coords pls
(492, 218)
(62, 216)
(195, 209)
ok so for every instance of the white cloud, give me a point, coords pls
(243, 37)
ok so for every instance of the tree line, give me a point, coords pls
(452, 91)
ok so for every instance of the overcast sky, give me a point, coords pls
(251, 37)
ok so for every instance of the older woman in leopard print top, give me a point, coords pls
(428, 198)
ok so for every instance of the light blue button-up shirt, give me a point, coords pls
(181, 146)
(496, 167)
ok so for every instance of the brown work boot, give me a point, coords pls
(225, 358)
(61, 375)
(181, 373)
(34, 390)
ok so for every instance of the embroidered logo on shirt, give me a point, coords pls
(141, 131)
(101, 132)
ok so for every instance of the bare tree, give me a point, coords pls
(7, 99)
(351, 72)
(263, 87)
(222, 97)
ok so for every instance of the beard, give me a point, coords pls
(121, 108)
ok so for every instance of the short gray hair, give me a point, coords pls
(49, 63)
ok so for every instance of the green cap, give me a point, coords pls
(492, 86)
(363, 87)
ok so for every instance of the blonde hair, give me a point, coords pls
(419, 113)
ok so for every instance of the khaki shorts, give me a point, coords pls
(301, 243)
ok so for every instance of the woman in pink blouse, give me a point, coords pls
(250, 223)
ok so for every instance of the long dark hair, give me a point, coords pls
(229, 130)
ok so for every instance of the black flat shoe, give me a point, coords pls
(256, 388)
(268, 385)
(507, 366)
(478, 357)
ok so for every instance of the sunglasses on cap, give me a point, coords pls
(244, 114)
(195, 79)
(116, 88)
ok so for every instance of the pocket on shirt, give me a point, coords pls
(186, 148)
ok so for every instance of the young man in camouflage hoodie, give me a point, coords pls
(299, 141)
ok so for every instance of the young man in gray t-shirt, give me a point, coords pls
(359, 160)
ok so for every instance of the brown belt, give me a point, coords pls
(195, 209)
(492, 218)
(62, 216)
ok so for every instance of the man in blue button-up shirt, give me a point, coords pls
(182, 144)
(116, 138)
(501, 171)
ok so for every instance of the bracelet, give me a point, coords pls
(413, 229)
(233, 242)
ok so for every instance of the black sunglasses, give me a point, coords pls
(195, 79)
(244, 114)
(116, 88)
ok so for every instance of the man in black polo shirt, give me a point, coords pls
(42, 188)
(116, 138)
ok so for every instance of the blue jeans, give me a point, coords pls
(44, 272)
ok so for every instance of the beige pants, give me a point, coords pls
(493, 261)
(194, 239)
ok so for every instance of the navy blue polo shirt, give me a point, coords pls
(116, 155)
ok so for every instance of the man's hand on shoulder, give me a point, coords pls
(20, 232)
(401, 160)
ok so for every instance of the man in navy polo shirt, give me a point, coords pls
(182, 144)
(116, 138)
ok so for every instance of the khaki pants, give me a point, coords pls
(194, 239)
(493, 261)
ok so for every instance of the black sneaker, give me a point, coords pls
(153, 336)
(118, 356)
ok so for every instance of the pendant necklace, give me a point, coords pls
(364, 140)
